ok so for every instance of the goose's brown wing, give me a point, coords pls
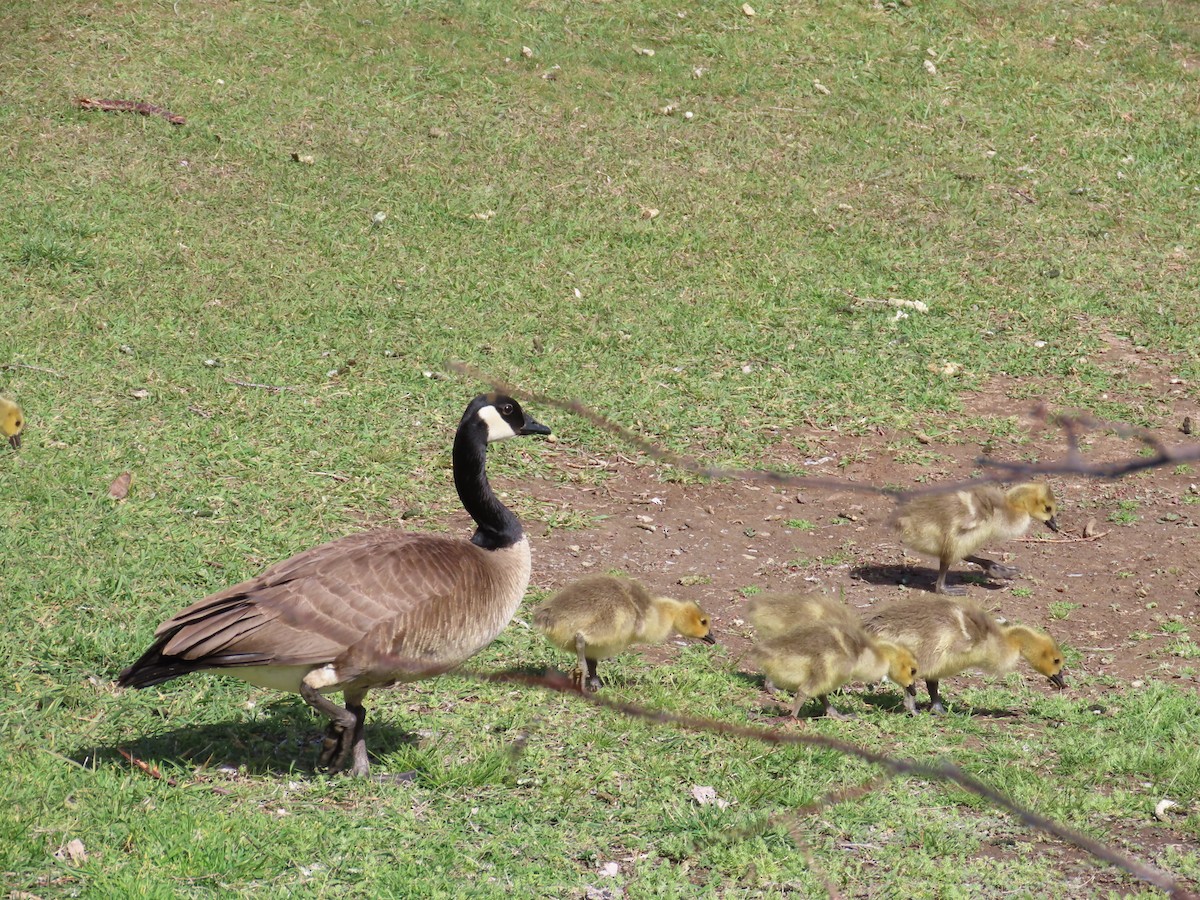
(314, 607)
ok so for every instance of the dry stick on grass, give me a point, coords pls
(146, 767)
(32, 369)
(1072, 426)
(265, 387)
(133, 106)
(942, 771)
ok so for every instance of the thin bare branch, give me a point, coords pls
(1073, 426)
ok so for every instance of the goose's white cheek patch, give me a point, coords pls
(498, 429)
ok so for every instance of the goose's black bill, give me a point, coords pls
(533, 426)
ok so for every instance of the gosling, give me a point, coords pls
(952, 526)
(599, 616)
(775, 614)
(12, 422)
(815, 659)
(950, 636)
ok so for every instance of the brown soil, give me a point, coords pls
(717, 543)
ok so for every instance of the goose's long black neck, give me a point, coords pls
(498, 525)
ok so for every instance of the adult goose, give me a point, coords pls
(367, 610)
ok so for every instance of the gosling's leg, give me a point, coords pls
(940, 586)
(993, 569)
(910, 699)
(593, 680)
(935, 699)
(339, 735)
(797, 702)
(579, 676)
(832, 711)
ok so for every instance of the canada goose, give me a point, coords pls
(599, 616)
(952, 526)
(775, 614)
(366, 610)
(950, 636)
(815, 659)
(12, 422)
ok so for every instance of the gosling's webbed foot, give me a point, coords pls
(593, 684)
(993, 569)
(936, 708)
(834, 713)
(956, 590)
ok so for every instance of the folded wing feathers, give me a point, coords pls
(375, 592)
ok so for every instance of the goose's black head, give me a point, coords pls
(501, 417)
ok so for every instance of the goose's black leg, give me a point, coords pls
(340, 733)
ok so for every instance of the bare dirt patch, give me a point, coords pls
(1109, 598)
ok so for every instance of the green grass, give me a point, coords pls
(1040, 187)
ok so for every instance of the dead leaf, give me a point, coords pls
(484, 216)
(649, 212)
(748, 10)
(707, 796)
(1160, 811)
(1090, 528)
(139, 394)
(306, 159)
(73, 852)
(610, 870)
(119, 489)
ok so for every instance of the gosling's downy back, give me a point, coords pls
(948, 636)
(775, 614)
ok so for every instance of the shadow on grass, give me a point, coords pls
(286, 740)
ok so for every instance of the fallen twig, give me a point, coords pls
(146, 767)
(134, 106)
(32, 368)
(265, 387)
(1069, 539)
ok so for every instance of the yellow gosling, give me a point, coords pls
(12, 422)
(953, 525)
(949, 636)
(600, 616)
(816, 659)
(775, 614)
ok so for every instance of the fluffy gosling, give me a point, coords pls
(950, 636)
(599, 616)
(815, 659)
(12, 422)
(952, 526)
(775, 614)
